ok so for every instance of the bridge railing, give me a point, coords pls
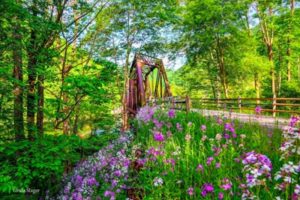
(274, 106)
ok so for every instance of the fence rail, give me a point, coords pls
(268, 105)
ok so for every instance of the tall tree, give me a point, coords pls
(18, 79)
(210, 31)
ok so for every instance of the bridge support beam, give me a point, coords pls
(141, 91)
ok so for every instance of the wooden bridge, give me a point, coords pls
(147, 80)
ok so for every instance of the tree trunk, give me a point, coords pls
(298, 63)
(40, 108)
(18, 88)
(32, 62)
(32, 52)
(66, 124)
(76, 117)
(125, 125)
(212, 82)
(288, 52)
(270, 56)
(223, 77)
(257, 87)
(221, 63)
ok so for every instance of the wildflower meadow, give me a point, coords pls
(188, 156)
(173, 155)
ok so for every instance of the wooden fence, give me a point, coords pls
(287, 106)
(268, 105)
(177, 103)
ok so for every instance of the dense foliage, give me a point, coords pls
(35, 168)
(239, 48)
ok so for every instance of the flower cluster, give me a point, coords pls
(257, 167)
(226, 184)
(146, 113)
(158, 181)
(230, 129)
(288, 175)
(109, 165)
(290, 146)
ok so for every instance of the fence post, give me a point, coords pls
(188, 104)
(274, 106)
(240, 104)
(173, 102)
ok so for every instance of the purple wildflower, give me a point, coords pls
(207, 188)
(258, 110)
(169, 134)
(178, 126)
(77, 196)
(229, 127)
(92, 181)
(293, 121)
(157, 123)
(209, 160)
(256, 166)
(158, 136)
(171, 113)
(146, 113)
(226, 136)
(118, 173)
(78, 180)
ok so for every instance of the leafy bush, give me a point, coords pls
(40, 164)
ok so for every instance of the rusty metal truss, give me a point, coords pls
(147, 80)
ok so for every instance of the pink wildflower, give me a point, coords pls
(203, 128)
(220, 196)
(199, 168)
(190, 191)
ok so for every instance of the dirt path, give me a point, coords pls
(262, 120)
